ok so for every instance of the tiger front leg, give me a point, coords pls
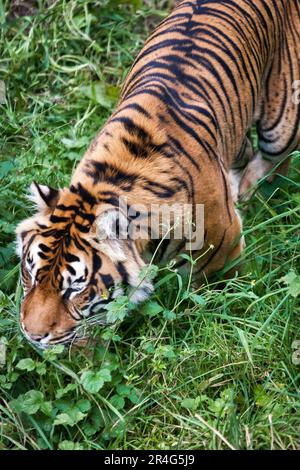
(222, 252)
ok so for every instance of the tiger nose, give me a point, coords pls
(42, 338)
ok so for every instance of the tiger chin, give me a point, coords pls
(179, 137)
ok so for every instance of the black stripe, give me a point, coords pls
(42, 255)
(107, 280)
(214, 253)
(84, 194)
(137, 107)
(44, 248)
(82, 228)
(70, 258)
(97, 263)
(123, 273)
(70, 269)
(57, 219)
(135, 149)
(78, 245)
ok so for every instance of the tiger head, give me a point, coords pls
(71, 265)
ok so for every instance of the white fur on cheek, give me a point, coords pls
(141, 290)
(34, 250)
(117, 292)
(28, 225)
(141, 294)
(70, 280)
(79, 267)
(19, 247)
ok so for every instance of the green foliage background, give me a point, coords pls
(211, 369)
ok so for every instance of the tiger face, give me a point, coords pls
(71, 265)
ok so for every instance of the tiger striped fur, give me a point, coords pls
(178, 135)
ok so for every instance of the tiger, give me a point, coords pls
(180, 134)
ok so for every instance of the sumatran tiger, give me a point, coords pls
(178, 137)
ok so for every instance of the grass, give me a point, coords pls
(206, 370)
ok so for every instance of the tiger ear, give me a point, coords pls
(112, 230)
(44, 197)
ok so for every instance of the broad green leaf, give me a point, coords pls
(75, 143)
(148, 272)
(41, 368)
(72, 414)
(69, 445)
(124, 390)
(46, 407)
(52, 353)
(72, 417)
(101, 93)
(217, 406)
(262, 398)
(168, 315)
(129, 392)
(152, 308)
(190, 403)
(32, 401)
(83, 405)
(133, 396)
(117, 401)
(93, 381)
(292, 280)
(28, 403)
(26, 364)
(118, 309)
